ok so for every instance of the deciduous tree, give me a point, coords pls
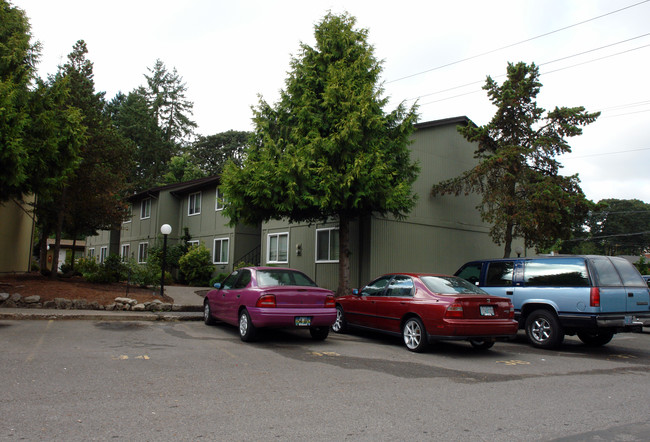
(327, 149)
(517, 174)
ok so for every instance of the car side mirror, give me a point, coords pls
(217, 285)
(355, 291)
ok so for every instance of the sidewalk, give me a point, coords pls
(188, 306)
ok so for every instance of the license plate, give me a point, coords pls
(487, 310)
(302, 321)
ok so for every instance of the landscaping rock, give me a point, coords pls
(34, 299)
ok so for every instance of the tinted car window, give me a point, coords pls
(556, 272)
(606, 273)
(229, 282)
(631, 277)
(243, 280)
(401, 286)
(270, 278)
(376, 288)
(471, 272)
(450, 285)
(500, 273)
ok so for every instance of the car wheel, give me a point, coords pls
(543, 329)
(247, 330)
(339, 325)
(207, 314)
(414, 334)
(481, 344)
(596, 339)
(319, 333)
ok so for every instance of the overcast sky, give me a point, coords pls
(591, 53)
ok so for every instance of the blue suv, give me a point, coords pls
(591, 296)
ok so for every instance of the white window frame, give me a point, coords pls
(143, 246)
(276, 259)
(91, 252)
(222, 241)
(194, 242)
(145, 208)
(219, 197)
(103, 253)
(125, 247)
(329, 246)
(193, 209)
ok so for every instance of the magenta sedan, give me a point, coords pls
(258, 297)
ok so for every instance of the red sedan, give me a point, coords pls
(425, 308)
(257, 297)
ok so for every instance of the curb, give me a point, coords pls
(98, 315)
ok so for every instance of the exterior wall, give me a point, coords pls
(210, 224)
(16, 233)
(302, 251)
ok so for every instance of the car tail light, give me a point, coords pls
(329, 301)
(594, 297)
(511, 311)
(454, 311)
(266, 301)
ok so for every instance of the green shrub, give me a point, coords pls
(220, 277)
(197, 266)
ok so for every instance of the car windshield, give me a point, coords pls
(451, 285)
(270, 278)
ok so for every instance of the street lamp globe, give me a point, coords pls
(165, 229)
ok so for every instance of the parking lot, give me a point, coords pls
(85, 380)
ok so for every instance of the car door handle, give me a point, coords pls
(238, 296)
(630, 295)
(509, 292)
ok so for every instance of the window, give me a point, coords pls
(91, 252)
(327, 245)
(471, 272)
(145, 208)
(243, 280)
(401, 286)
(193, 243)
(377, 287)
(220, 200)
(124, 254)
(220, 251)
(500, 273)
(278, 248)
(143, 252)
(270, 278)
(556, 272)
(128, 215)
(194, 206)
(102, 254)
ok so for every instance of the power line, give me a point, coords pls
(603, 154)
(515, 44)
(541, 64)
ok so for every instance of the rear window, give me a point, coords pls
(471, 272)
(606, 273)
(556, 273)
(631, 277)
(270, 278)
(450, 285)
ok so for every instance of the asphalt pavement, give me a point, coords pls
(187, 306)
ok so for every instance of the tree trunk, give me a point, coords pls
(344, 256)
(508, 240)
(43, 251)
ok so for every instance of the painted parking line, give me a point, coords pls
(513, 362)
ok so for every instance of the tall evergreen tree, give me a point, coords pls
(18, 58)
(91, 197)
(517, 173)
(327, 149)
(212, 152)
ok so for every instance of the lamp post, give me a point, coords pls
(165, 229)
